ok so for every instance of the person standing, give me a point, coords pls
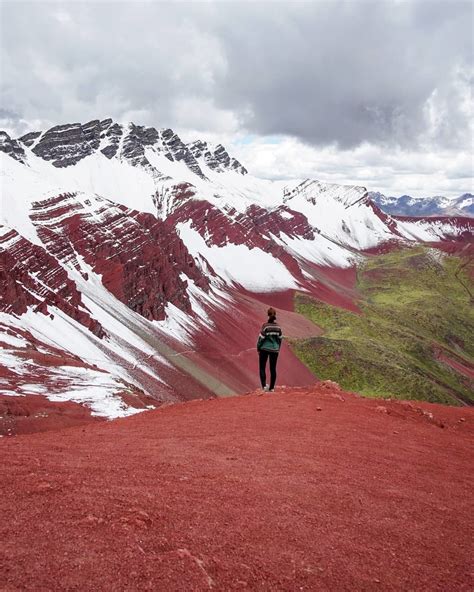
(268, 347)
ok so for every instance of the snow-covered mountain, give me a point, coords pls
(426, 206)
(135, 268)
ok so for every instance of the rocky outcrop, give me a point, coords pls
(254, 228)
(29, 276)
(385, 218)
(217, 159)
(280, 220)
(169, 199)
(136, 141)
(66, 145)
(111, 133)
(175, 149)
(139, 258)
(138, 138)
(11, 147)
(29, 138)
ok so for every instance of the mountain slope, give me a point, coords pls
(413, 337)
(154, 260)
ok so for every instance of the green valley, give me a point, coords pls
(414, 336)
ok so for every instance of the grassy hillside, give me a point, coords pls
(417, 317)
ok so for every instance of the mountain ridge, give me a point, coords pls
(405, 205)
(65, 145)
(162, 243)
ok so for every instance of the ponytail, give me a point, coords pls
(271, 312)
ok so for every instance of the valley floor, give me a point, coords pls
(307, 489)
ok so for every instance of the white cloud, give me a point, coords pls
(63, 17)
(392, 171)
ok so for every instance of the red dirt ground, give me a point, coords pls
(304, 489)
(34, 413)
(228, 351)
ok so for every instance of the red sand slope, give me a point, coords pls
(306, 489)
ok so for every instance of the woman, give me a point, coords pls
(268, 347)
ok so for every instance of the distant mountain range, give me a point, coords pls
(406, 205)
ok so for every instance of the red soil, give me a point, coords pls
(453, 247)
(282, 300)
(465, 369)
(34, 413)
(306, 489)
(228, 350)
(294, 324)
(335, 286)
(383, 248)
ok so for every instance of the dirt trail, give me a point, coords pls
(306, 489)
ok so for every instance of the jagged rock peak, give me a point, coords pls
(65, 145)
(175, 149)
(138, 138)
(11, 147)
(29, 138)
(216, 158)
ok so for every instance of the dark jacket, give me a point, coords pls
(270, 337)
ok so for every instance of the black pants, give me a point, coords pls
(263, 356)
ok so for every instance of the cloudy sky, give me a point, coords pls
(377, 93)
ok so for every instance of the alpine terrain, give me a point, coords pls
(135, 272)
(135, 269)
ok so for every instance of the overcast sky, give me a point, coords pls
(373, 92)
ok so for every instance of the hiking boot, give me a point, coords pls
(266, 388)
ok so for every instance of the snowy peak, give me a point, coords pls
(312, 190)
(405, 205)
(216, 158)
(66, 145)
(131, 143)
(11, 147)
(176, 150)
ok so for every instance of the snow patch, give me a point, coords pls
(253, 269)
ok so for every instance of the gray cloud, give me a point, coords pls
(328, 72)
(349, 72)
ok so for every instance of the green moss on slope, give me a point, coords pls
(415, 309)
